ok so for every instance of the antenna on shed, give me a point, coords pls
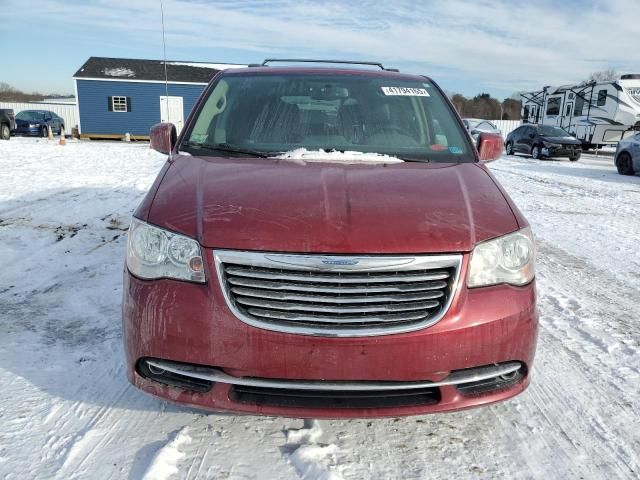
(166, 77)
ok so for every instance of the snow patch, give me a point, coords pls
(60, 292)
(165, 462)
(310, 433)
(119, 72)
(303, 155)
(311, 460)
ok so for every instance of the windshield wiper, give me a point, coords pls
(405, 158)
(227, 147)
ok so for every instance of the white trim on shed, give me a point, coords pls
(136, 81)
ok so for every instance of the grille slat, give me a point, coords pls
(345, 319)
(335, 295)
(335, 278)
(286, 296)
(310, 307)
(324, 288)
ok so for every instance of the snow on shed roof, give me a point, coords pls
(152, 70)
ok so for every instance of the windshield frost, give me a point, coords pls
(273, 113)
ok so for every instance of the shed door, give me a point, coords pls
(172, 111)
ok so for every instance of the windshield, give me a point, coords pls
(30, 115)
(275, 113)
(548, 131)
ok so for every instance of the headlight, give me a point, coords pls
(156, 253)
(551, 145)
(508, 259)
(32, 125)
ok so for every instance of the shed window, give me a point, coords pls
(602, 97)
(119, 104)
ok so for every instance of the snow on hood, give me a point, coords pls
(119, 72)
(303, 155)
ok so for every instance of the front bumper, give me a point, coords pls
(189, 323)
(27, 131)
(561, 151)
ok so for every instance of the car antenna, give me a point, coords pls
(166, 77)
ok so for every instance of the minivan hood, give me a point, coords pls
(279, 205)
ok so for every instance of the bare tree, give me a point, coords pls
(12, 94)
(487, 107)
(511, 108)
(459, 101)
(604, 75)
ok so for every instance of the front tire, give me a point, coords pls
(5, 133)
(624, 164)
(575, 157)
(536, 153)
(44, 132)
(509, 148)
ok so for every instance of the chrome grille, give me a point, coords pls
(337, 295)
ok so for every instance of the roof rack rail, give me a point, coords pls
(311, 60)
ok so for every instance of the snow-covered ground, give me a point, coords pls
(67, 411)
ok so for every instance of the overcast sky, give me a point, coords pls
(467, 46)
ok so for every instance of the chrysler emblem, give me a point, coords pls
(339, 261)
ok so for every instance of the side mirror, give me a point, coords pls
(490, 146)
(163, 137)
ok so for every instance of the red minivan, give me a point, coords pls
(327, 242)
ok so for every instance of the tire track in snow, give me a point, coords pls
(583, 327)
(567, 211)
(577, 420)
(90, 437)
(165, 463)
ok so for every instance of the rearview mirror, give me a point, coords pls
(163, 137)
(329, 92)
(490, 146)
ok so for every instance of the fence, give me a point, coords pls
(506, 126)
(65, 110)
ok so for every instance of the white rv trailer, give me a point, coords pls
(596, 113)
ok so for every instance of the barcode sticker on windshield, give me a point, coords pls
(405, 91)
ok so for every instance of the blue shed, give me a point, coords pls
(116, 96)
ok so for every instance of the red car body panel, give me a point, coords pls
(279, 205)
(483, 326)
(272, 205)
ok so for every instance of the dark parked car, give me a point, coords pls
(541, 141)
(627, 158)
(7, 123)
(328, 243)
(35, 122)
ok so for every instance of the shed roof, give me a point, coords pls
(127, 69)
